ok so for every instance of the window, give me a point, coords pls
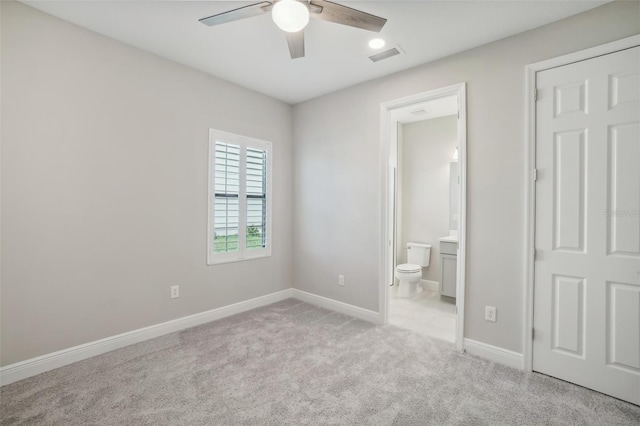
(239, 198)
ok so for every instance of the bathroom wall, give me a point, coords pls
(425, 152)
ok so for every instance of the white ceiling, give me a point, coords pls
(253, 52)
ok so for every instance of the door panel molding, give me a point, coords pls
(622, 302)
(568, 315)
(569, 187)
(623, 158)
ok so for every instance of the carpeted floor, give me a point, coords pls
(294, 363)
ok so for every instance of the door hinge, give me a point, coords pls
(533, 333)
(535, 94)
(535, 174)
(535, 253)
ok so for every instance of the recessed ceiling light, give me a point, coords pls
(376, 43)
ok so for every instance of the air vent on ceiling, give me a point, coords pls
(384, 55)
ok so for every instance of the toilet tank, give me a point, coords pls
(418, 254)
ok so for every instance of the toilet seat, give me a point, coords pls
(408, 268)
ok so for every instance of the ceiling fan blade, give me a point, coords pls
(296, 44)
(344, 15)
(237, 14)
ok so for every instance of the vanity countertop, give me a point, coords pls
(449, 239)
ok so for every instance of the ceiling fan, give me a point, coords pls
(292, 16)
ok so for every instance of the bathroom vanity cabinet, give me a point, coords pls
(449, 267)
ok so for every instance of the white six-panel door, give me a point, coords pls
(587, 237)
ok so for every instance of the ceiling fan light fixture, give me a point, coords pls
(290, 15)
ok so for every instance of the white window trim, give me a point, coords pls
(242, 254)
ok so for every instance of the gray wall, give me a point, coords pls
(337, 171)
(426, 148)
(104, 187)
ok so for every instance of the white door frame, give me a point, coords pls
(530, 138)
(387, 133)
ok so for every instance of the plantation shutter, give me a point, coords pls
(227, 193)
(256, 194)
(239, 226)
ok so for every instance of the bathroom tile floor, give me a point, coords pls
(425, 313)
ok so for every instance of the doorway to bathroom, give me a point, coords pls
(422, 274)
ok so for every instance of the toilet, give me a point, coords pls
(408, 274)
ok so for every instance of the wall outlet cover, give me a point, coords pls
(175, 291)
(490, 313)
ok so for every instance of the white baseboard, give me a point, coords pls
(334, 305)
(494, 353)
(430, 285)
(31, 367)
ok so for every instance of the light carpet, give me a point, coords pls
(292, 363)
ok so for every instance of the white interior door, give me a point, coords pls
(587, 267)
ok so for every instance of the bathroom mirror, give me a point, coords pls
(454, 188)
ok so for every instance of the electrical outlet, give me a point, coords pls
(490, 313)
(175, 291)
(341, 280)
